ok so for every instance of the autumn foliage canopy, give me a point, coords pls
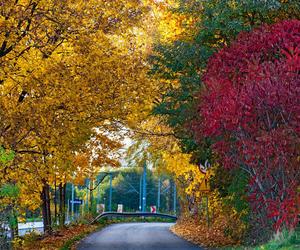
(251, 110)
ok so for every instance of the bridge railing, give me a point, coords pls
(128, 214)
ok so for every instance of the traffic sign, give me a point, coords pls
(100, 208)
(153, 209)
(120, 208)
(76, 201)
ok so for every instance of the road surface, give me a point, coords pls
(135, 236)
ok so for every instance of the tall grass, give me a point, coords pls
(285, 241)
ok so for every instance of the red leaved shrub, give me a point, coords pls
(251, 109)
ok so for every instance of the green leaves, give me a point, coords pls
(6, 155)
(9, 190)
(181, 64)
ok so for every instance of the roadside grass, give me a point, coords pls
(71, 243)
(282, 241)
(57, 240)
(38, 219)
(214, 237)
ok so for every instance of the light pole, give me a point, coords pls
(140, 194)
(158, 195)
(174, 201)
(87, 194)
(144, 188)
(98, 194)
(110, 191)
(72, 204)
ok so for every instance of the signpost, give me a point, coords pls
(204, 186)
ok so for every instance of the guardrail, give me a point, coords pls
(127, 214)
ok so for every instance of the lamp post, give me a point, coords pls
(110, 191)
(72, 205)
(140, 194)
(175, 199)
(144, 188)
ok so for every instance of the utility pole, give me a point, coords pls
(140, 194)
(98, 194)
(87, 194)
(144, 187)
(158, 195)
(72, 204)
(175, 198)
(68, 207)
(110, 191)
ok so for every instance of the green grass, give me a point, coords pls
(71, 242)
(34, 219)
(283, 241)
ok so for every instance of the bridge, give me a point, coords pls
(132, 215)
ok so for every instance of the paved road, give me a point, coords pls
(136, 236)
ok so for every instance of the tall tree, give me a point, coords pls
(251, 110)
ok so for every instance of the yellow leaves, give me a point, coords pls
(179, 165)
(169, 25)
(81, 63)
(76, 77)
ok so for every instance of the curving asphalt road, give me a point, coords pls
(135, 236)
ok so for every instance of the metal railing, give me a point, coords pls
(127, 214)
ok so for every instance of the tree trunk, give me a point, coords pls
(55, 202)
(207, 212)
(61, 208)
(46, 209)
(91, 196)
(170, 196)
(14, 222)
(62, 204)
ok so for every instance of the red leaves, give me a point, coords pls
(252, 110)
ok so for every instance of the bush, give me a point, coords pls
(251, 111)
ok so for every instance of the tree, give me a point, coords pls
(251, 110)
(181, 64)
(62, 75)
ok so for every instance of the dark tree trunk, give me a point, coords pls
(91, 197)
(46, 209)
(170, 196)
(55, 202)
(62, 204)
